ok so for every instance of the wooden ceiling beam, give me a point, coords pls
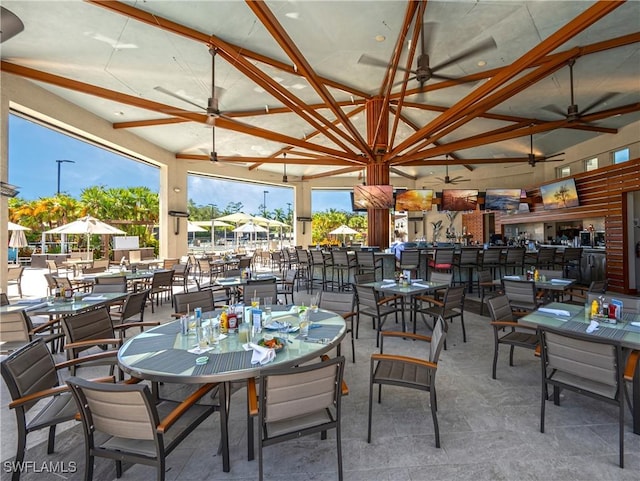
(551, 43)
(266, 17)
(279, 160)
(331, 173)
(418, 15)
(148, 123)
(402, 174)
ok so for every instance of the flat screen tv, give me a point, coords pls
(373, 196)
(355, 208)
(459, 199)
(560, 194)
(414, 200)
(502, 199)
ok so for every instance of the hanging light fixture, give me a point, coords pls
(284, 175)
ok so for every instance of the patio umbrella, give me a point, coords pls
(193, 227)
(14, 227)
(236, 218)
(18, 239)
(344, 230)
(270, 223)
(86, 225)
(216, 223)
(250, 228)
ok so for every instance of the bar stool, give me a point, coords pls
(468, 259)
(491, 260)
(442, 260)
(367, 262)
(570, 262)
(545, 258)
(318, 263)
(514, 260)
(341, 264)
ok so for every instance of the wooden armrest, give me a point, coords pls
(348, 315)
(46, 325)
(510, 324)
(417, 337)
(344, 386)
(252, 397)
(537, 352)
(431, 300)
(88, 358)
(386, 300)
(174, 415)
(34, 396)
(406, 359)
(128, 325)
(92, 342)
(632, 365)
(178, 315)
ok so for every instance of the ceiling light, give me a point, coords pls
(259, 90)
(176, 190)
(120, 113)
(294, 15)
(380, 38)
(482, 63)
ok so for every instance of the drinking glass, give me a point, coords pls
(314, 302)
(304, 324)
(214, 332)
(255, 302)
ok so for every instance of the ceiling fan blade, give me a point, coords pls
(602, 100)
(487, 44)
(402, 81)
(442, 77)
(372, 61)
(177, 96)
(554, 155)
(427, 34)
(554, 109)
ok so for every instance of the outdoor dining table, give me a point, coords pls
(161, 354)
(408, 292)
(578, 320)
(79, 303)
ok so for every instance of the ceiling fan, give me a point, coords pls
(424, 72)
(573, 113)
(451, 180)
(533, 159)
(212, 109)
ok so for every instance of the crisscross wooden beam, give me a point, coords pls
(568, 31)
(287, 44)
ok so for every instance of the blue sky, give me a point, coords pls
(34, 149)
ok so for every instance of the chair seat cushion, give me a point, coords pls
(317, 418)
(403, 374)
(59, 409)
(439, 265)
(522, 339)
(607, 390)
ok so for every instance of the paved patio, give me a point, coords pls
(489, 429)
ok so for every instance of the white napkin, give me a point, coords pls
(387, 286)
(390, 281)
(276, 314)
(512, 278)
(635, 324)
(560, 281)
(417, 284)
(94, 298)
(413, 281)
(261, 355)
(555, 312)
(593, 326)
(197, 350)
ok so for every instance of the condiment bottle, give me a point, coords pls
(594, 307)
(224, 322)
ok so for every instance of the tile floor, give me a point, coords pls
(489, 429)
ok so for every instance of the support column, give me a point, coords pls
(378, 171)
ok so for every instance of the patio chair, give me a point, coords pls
(366, 261)
(14, 278)
(186, 302)
(31, 376)
(522, 295)
(4, 299)
(139, 430)
(450, 307)
(261, 289)
(409, 261)
(295, 402)
(342, 303)
(181, 276)
(485, 284)
(52, 285)
(132, 311)
(514, 260)
(74, 286)
(286, 286)
(506, 330)
(442, 260)
(92, 329)
(409, 372)
(371, 303)
(161, 285)
(584, 364)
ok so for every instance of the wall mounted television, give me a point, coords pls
(354, 207)
(459, 199)
(373, 197)
(414, 200)
(502, 199)
(560, 195)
